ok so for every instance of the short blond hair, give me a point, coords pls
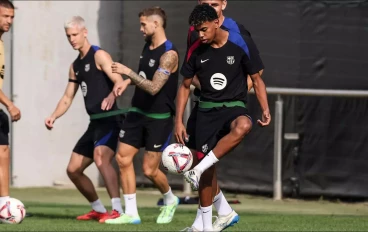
(75, 21)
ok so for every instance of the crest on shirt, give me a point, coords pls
(230, 60)
(151, 62)
(87, 67)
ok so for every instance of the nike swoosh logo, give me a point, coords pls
(157, 146)
(206, 211)
(202, 61)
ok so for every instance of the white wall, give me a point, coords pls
(42, 56)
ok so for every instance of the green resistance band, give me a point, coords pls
(208, 105)
(131, 109)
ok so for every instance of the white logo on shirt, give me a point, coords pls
(142, 74)
(151, 62)
(202, 61)
(218, 81)
(84, 88)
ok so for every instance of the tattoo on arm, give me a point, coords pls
(169, 61)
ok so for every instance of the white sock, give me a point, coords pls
(131, 204)
(169, 198)
(207, 218)
(98, 206)
(221, 205)
(198, 222)
(4, 199)
(116, 204)
(209, 160)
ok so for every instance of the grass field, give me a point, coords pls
(56, 209)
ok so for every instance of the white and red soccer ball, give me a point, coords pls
(177, 158)
(12, 211)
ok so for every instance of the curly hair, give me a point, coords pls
(201, 14)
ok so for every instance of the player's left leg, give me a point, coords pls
(158, 136)
(4, 157)
(226, 216)
(4, 172)
(106, 135)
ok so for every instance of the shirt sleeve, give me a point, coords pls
(188, 69)
(251, 60)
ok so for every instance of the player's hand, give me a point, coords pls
(266, 119)
(108, 102)
(119, 68)
(49, 122)
(14, 113)
(120, 87)
(181, 133)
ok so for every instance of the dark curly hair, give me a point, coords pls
(201, 14)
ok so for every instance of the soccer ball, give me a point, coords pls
(12, 211)
(177, 158)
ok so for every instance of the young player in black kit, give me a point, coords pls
(92, 72)
(226, 215)
(150, 122)
(221, 63)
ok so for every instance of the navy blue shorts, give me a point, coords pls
(99, 133)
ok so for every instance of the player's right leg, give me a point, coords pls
(238, 125)
(220, 203)
(158, 133)
(131, 139)
(4, 157)
(105, 135)
(81, 158)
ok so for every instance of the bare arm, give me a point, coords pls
(250, 82)
(104, 62)
(5, 100)
(260, 90)
(67, 99)
(182, 99)
(168, 64)
(195, 82)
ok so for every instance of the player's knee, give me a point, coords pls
(122, 160)
(73, 172)
(150, 172)
(242, 128)
(4, 152)
(101, 160)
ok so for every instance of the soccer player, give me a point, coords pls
(6, 21)
(150, 122)
(91, 70)
(226, 215)
(221, 62)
